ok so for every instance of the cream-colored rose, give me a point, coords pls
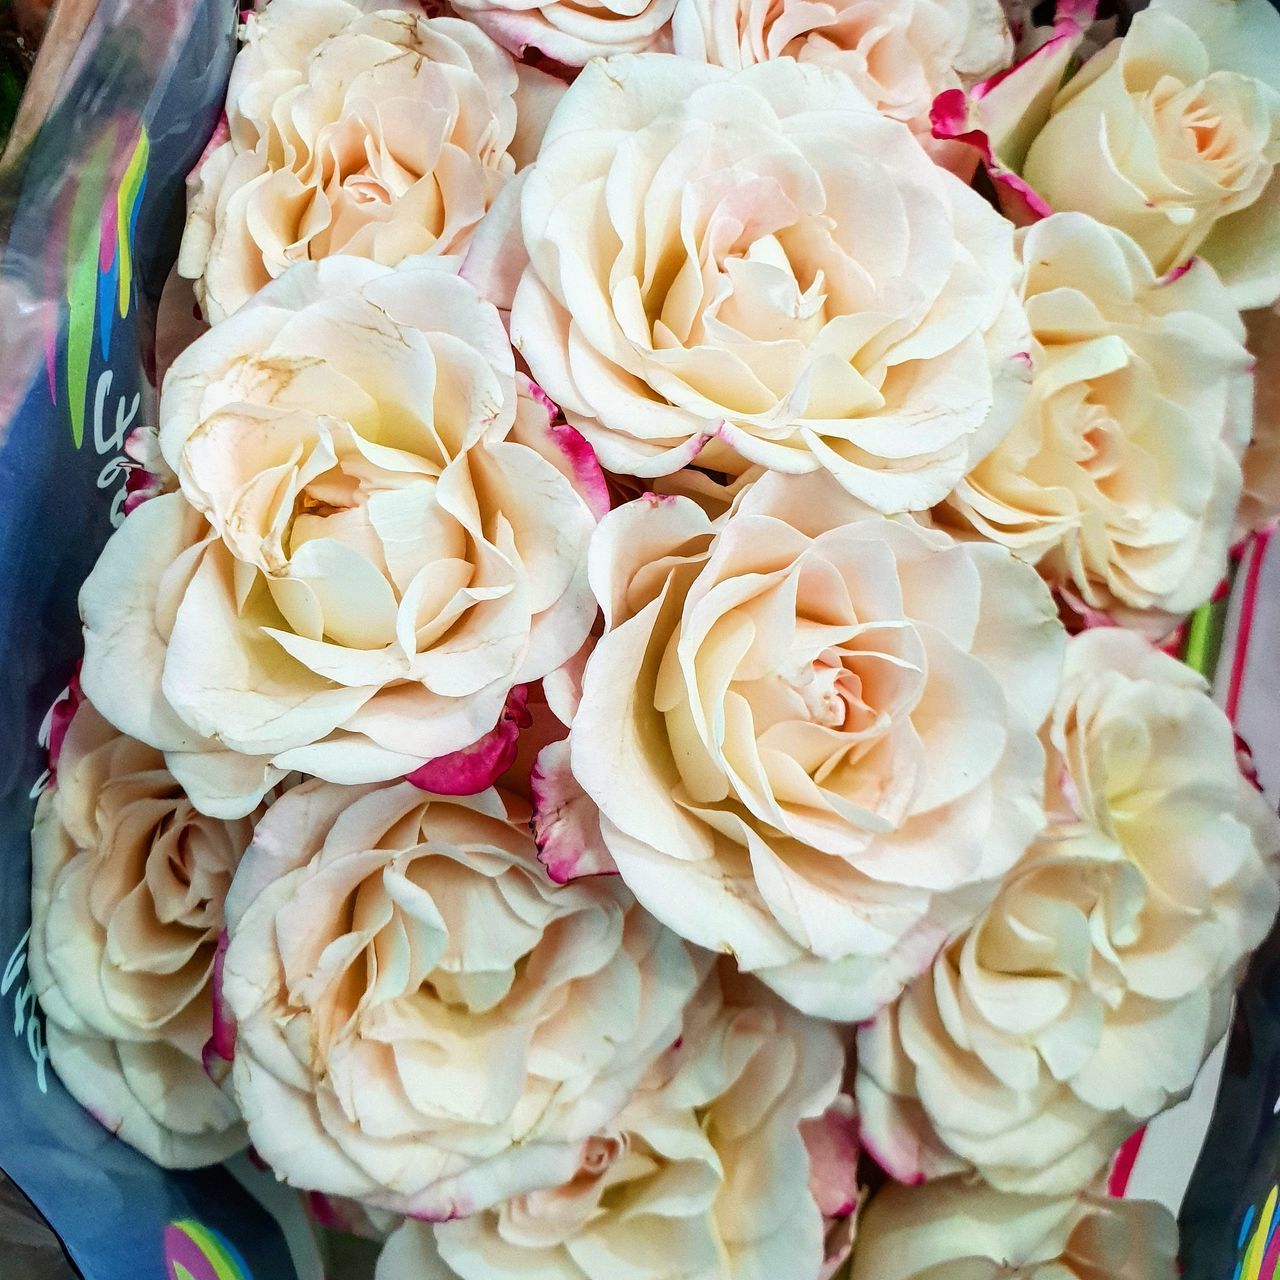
(757, 267)
(127, 890)
(1087, 996)
(572, 32)
(376, 539)
(810, 730)
(958, 1230)
(1121, 476)
(704, 1176)
(1172, 134)
(424, 1021)
(356, 129)
(900, 55)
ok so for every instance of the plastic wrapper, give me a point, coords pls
(91, 207)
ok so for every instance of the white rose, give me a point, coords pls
(810, 730)
(572, 32)
(424, 1021)
(1087, 997)
(376, 540)
(1172, 134)
(353, 129)
(704, 1176)
(901, 55)
(957, 1230)
(1122, 474)
(757, 266)
(127, 890)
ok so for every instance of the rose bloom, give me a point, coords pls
(1087, 997)
(359, 129)
(572, 32)
(758, 267)
(901, 55)
(1177, 127)
(1120, 478)
(810, 730)
(704, 1176)
(424, 1021)
(958, 1230)
(127, 890)
(375, 541)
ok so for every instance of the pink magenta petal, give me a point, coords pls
(220, 1048)
(473, 768)
(588, 475)
(60, 718)
(831, 1140)
(898, 1164)
(566, 822)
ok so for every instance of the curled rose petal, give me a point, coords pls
(558, 36)
(566, 822)
(958, 1227)
(566, 448)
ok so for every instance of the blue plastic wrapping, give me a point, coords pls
(90, 216)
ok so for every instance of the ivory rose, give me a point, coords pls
(755, 267)
(1121, 476)
(901, 55)
(956, 1230)
(704, 1176)
(810, 730)
(572, 32)
(1086, 998)
(127, 890)
(354, 128)
(376, 540)
(1177, 127)
(424, 1021)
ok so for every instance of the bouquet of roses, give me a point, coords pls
(631, 731)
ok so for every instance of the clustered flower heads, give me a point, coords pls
(628, 709)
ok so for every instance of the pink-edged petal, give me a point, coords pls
(1000, 116)
(831, 1140)
(220, 1049)
(540, 427)
(566, 822)
(60, 717)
